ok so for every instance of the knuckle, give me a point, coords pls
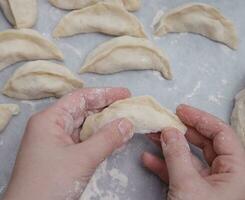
(223, 164)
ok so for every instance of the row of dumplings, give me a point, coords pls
(111, 17)
(23, 14)
(132, 51)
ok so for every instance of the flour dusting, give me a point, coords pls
(157, 17)
(194, 91)
(121, 178)
(118, 183)
(216, 99)
(73, 49)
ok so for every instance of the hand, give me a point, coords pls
(188, 178)
(52, 164)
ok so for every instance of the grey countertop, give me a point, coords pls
(206, 75)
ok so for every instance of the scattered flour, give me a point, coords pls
(121, 178)
(194, 91)
(157, 17)
(46, 35)
(92, 190)
(173, 88)
(118, 184)
(73, 49)
(216, 99)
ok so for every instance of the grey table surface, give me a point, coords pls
(206, 75)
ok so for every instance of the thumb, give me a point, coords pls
(109, 138)
(177, 156)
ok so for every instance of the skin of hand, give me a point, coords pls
(52, 164)
(224, 175)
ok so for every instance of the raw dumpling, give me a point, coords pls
(102, 17)
(199, 18)
(41, 79)
(25, 44)
(238, 116)
(127, 53)
(146, 114)
(20, 13)
(131, 5)
(6, 113)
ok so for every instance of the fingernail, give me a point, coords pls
(169, 136)
(126, 129)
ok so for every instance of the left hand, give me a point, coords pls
(52, 164)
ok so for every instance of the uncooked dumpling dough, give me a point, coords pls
(199, 18)
(127, 53)
(103, 18)
(6, 113)
(25, 44)
(238, 116)
(131, 5)
(20, 13)
(41, 79)
(146, 114)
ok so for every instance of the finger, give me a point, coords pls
(100, 98)
(111, 137)
(155, 165)
(198, 165)
(69, 112)
(90, 99)
(203, 143)
(225, 141)
(177, 157)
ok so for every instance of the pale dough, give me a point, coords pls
(238, 116)
(41, 79)
(25, 44)
(6, 113)
(127, 53)
(198, 18)
(146, 114)
(101, 17)
(20, 13)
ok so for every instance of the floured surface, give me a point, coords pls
(206, 74)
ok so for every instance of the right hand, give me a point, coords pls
(188, 178)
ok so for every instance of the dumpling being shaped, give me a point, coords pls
(24, 45)
(6, 113)
(198, 18)
(146, 114)
(238, 116)
(130, 5)
(127, 53)
(20, 13)
(41, 79)
(102, 18)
